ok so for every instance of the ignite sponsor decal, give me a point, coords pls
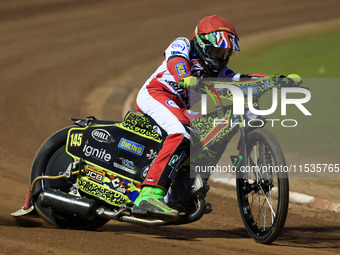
(130, 146)
(99, 154)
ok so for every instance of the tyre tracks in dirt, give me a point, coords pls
(60, 59)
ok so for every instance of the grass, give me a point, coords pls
(316, 57)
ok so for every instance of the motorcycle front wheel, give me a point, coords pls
(52, 160)
(263, 188)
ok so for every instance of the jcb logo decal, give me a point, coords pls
(76, 139)
(95, 174)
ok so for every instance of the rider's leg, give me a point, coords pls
(150, 202)
(163, 109)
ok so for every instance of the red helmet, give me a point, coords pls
(215, 40)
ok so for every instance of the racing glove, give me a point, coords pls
(290, 81)
(188, 82)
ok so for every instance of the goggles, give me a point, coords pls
(219, 53)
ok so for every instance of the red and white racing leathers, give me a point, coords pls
(168, 105)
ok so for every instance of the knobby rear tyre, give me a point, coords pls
(52, 159)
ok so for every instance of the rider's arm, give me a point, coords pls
(228, 73)
(177, 58)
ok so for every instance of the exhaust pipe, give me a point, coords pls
(144, 222)
(62, 202)
(119, 215)
(88, 209)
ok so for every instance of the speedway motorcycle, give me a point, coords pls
(87, 174)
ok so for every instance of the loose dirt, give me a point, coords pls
(63, 58)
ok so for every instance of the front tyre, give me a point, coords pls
(263, 188)
(51, 160)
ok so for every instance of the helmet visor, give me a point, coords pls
(217, 53)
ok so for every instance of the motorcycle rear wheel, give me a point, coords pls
(52, 159)
(263, 187)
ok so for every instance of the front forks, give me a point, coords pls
(242, 160)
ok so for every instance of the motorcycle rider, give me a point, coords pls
(164, 99)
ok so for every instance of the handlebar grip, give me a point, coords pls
(292, 80)
(296, 78)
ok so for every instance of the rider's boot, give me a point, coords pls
(150, 203)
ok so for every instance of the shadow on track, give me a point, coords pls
(178, 233)
(310, 237)
(303, 237)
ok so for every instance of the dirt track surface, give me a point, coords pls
(61, 59)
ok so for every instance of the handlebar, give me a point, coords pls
(279, 81)
(191, 82)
